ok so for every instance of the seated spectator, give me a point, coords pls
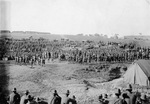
(144, 99)
(105, 100)
(131, 95)
(24, 98)
(116, 99)
(31, 101)
(125, 98)
(73, 100)
(138, 98)
(100, 99)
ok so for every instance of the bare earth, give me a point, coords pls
(62, 76)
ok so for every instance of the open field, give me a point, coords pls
(62, 76)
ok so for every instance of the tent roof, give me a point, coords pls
(145, 66)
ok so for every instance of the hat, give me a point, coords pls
(100, 96)
(73, 97)
(143, 96)
(124, 95)
(129, 87)
(105, 95)
(118, 92)
(55, 91)
(27, 91)
(68, 92)
(30, 98)
(14, 89)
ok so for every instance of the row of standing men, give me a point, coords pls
(14, 98)
(126, 97)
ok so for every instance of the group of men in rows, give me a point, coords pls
(14, 98)
(31, 60)
(109, 54)
(52, 50)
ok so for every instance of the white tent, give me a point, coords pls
(138, 73)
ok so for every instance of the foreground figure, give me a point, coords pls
(56, 98)
(14, 97)
(24, 98)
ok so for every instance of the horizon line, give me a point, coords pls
(82, 34)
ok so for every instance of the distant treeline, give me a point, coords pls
(8, 31)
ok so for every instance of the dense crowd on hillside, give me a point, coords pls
(35, 50)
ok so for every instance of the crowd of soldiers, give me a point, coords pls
(26, 51)
(119, 96)
(30, 60)
(37, 52)
(107, 54)
(86, 56)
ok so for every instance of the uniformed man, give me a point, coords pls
(66, 99)
(14, 97)
(131, 95)
(24, 98)
(56, 98)
(116, 99)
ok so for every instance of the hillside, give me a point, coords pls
(27, 34)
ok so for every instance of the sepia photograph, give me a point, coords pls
(74, 51)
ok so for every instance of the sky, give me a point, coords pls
(123, 17)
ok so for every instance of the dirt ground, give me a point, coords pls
(60, 76)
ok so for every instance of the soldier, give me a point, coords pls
(144, 99)
(100, 98)
(116, 99)
(32, 62)
(131, 95)
(125, 98)
(16, 59)
(24, 98)
(56, 98)
(66, 99)
(73, 100)
(14, 97)
(49, 55)
(33, 58)
(31, 100)
(105, 99)
(20, 60)
(43, 61)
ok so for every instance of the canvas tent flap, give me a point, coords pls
(140, 76)
(145, 66)
(130, 74)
